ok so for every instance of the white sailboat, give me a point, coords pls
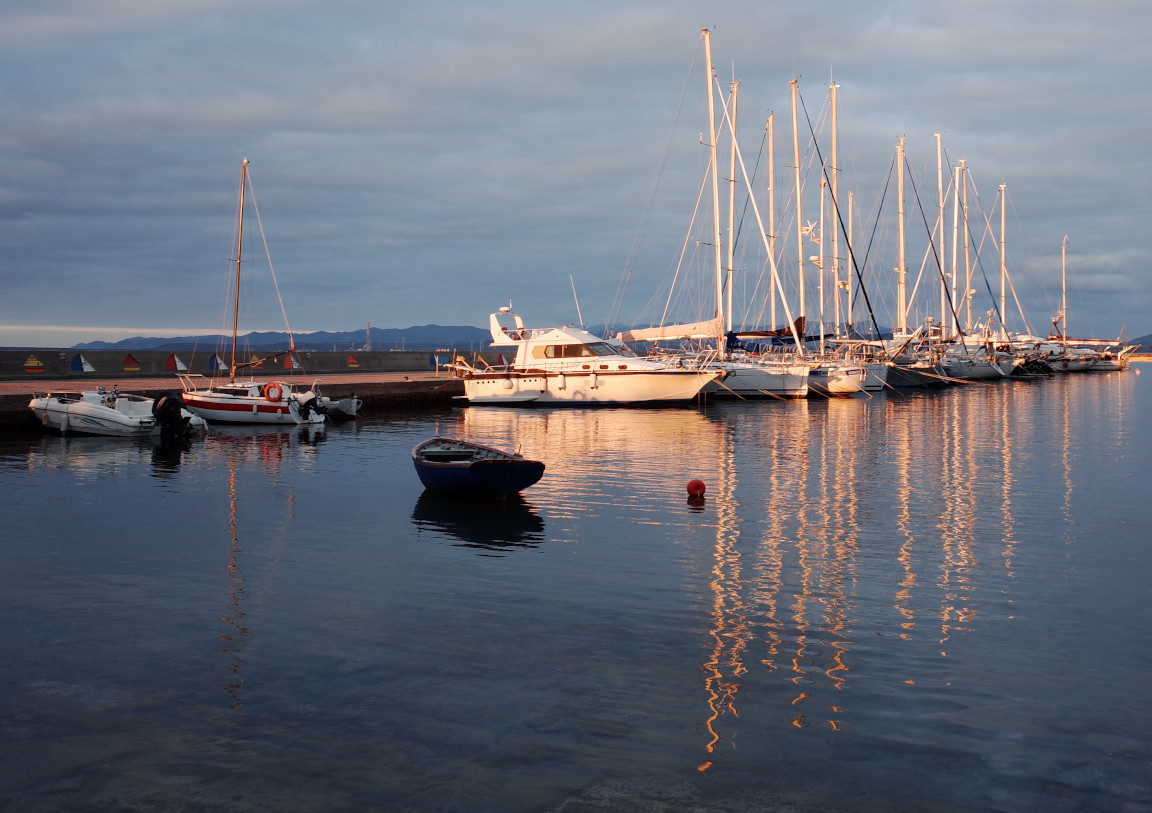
(250, 401)
(740, 375)
(1080, 355)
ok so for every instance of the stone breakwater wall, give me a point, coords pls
(32, 364)
(385, 380)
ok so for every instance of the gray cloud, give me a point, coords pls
(428, 164)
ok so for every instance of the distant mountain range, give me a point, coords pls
(422, 337)
(419, 337)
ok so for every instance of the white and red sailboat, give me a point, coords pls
(246, 400)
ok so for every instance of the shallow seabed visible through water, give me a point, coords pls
(925, 602)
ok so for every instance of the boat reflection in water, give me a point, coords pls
(245, 450)
(92, 456)
(919, 515)
(491, 526)
(826, 521)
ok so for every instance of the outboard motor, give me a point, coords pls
(168, 410)
(309, 404)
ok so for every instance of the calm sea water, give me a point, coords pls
(927, 602)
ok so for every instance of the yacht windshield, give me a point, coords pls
(603, 349)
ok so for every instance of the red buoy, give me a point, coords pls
(696, 488)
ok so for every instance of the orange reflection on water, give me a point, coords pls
(900, 510)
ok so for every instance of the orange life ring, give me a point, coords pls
(273, 392)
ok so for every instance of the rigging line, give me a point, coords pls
(985, 232)
(268, 255)
(932, 245)
(839, 215)
(1012, 285)
(872, 240)
(646, 217)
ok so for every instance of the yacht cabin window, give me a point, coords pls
(571, 351)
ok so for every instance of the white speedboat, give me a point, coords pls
(114, 414)
(268, 402)
(567, 366)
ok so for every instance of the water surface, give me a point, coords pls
(934, 601)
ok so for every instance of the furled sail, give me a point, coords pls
(693, 330)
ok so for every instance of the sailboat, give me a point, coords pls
(1080, 355)
(250, 401)
(740, 374)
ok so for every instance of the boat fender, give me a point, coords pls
(595, 381)
(561, 381)
(506, 383)
(272, 392)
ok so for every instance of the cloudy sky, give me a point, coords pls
(429, 162)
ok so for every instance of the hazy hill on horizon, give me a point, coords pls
(418, 337)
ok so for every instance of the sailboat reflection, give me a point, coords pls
(237, 635)
(494, 526)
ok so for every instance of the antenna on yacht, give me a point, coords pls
(578, 314)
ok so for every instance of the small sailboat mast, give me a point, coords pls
(901, 260)
(239, 251)
(1064, 293)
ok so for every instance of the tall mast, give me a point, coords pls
(834, 174)
(967, 250)
(940, 224)
(771, 126)
(1003, 264)
(901, 262)
(795, 84)
(819, 260)
(715, 183)
(1064, 292)
(733, 92)
(239, 250)
(950, 315)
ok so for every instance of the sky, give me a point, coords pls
(428, 163)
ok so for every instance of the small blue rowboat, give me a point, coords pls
(470, 469)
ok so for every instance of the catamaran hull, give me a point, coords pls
(584, 388)
(837, 380)
(760, 381)
(877, 378)
(916, 377)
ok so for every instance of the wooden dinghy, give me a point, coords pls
(471, 469)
